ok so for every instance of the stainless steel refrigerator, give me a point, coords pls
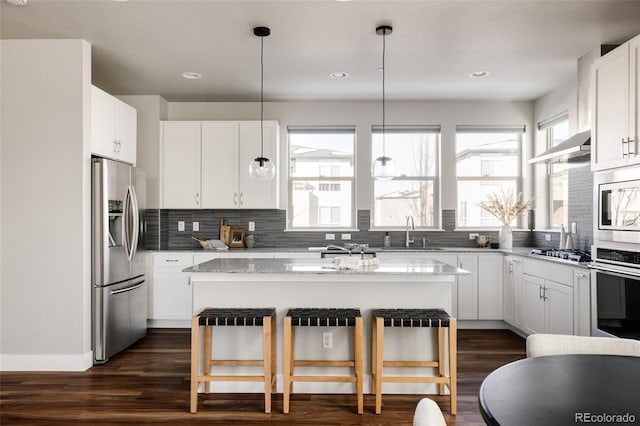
(119, 290)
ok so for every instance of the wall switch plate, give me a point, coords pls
(196, 226)
(329, 236)
(547, 237)
(574, 228)
(252, 226)
(345, 237)
(327, 340)
(473, 236)
(180, 225)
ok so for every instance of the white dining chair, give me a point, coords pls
(541, 344)
(428, 413)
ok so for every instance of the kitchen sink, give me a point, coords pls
(404, 249)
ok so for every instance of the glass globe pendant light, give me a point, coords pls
(261, 168)
(383, 168)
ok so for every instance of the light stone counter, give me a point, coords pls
(324, 266)
(287, 283)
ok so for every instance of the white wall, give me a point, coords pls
(45, 205)
(363, 115)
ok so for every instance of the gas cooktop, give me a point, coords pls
(577, 256)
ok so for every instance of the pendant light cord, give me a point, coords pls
(261, 97)
(384, 47)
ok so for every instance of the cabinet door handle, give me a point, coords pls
(171, 260)
(241, 201)
(510, 267)
(625, 147)
(197, 198)
(540, 292)
(631, 144)
(580, 275)
(235, 198)
(544, 293)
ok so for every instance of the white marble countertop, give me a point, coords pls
(324, 266)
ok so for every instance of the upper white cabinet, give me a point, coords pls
(180, 165)
(206, 164)
(616, 112)
(113, 127)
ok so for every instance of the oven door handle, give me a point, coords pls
(614, 271)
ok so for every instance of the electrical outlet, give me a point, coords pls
(329, 236)
(547, 237)
(181, 226)
(327, 340)
(345, 237)
(196, 226)
(473, 236)
(252, 226)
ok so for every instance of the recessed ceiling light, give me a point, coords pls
(339, 75)
(191, 75)
(479, 74)
(17, 2)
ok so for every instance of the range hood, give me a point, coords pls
(576, 149)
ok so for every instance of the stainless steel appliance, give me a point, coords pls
(615, 292)
(566, 255)
(119, 291)
(617, 206)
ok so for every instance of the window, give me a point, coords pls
(321, 178)
(556, 130)
(415, 190)
(487, 161)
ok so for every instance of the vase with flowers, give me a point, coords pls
(506, 206)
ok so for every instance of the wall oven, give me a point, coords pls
(617, 205)
(615, 291)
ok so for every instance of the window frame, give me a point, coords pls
(436, 178)
(518, 129)
(329, 180)
(546, 126)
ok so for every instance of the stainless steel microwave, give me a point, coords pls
(617, 205)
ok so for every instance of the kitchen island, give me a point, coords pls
(288, 282)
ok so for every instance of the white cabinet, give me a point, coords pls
(171, 287)
(113, 127)
(490, 286)
(206, 164)
(615, 121)
(513, 288)
(548, 305)
(180, 165)
(468, 287)
(477, 295)
(582, 301)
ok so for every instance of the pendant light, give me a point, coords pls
(261, 168)
(383, 168)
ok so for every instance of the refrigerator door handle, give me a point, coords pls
(124, 290)
(135, 218)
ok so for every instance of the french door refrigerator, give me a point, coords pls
(119, 290)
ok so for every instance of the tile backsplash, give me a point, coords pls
(163, 234)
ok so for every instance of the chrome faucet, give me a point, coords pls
(408, 240)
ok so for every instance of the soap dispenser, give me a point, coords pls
(387, 240)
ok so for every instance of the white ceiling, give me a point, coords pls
(142, 47)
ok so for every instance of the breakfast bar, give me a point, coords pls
(344, 283)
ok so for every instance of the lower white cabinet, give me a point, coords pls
(171, 287)
(476, 296)
(513, 287)
(548, 305)
(582, 301)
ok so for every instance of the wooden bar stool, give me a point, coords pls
(321, 317)
(414, 318)
(231, 317)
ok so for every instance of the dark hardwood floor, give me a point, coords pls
(149, 384)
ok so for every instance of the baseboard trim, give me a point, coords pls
(46, 362)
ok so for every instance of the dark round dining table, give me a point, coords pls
(563, 390)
